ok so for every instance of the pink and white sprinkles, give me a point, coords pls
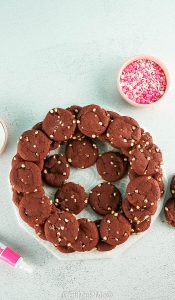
(143, 81)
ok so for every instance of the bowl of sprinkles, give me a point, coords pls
(143, 80)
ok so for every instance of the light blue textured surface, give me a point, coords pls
(56, 53)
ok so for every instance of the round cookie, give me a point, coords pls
(146, 161)
(172, 186)
(18, 159)
(59, 124)
(17, 197)
(56, 170)
(35, 209)
(169, 211)
(137, 215)
(143, 226)
(54, 145)
(71, 197)
(39, 230)
(124, 132)
(104, 198)
(143, 192)
(33, 145)
(87, 236)
(74, 109)
(81, 153)
(25, 177)
(65, 249)
(61, 228)
(115, 229)
(112, 166)
(92, 120)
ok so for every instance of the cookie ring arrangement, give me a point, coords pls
(78, 129)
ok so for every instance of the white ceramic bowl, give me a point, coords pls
(129, 61)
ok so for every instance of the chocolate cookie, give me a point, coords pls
(92, 120)
(78, 135)
(25, 177)
(59, 124)
(146, 161)
(61, 228)
(65, 249)
(81, 153)
(71, 197)
(74, 109)
(18, 159)
(157, 176)
(35, 209)
(33, 145)
(54, 145)
(143, 192)
(17, 197)
(102, 137)
(87, 236)
(56, 170)
(39, 230)
(172, 186)
(145, 141)
(102, 246)
(132, 174)
(143, 226)
(115, 229)
(104, 198)
(137, 215)
(124, 132)
(169, 211)
(112, 166)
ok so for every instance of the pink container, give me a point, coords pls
(133, 59)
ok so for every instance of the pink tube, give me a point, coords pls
(12, 258)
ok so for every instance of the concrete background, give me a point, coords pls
(56, 53)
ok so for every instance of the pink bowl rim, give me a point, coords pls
(137, 57)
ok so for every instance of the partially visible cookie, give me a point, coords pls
(169, 211)
(81, 153)
(112, 166)
(56, 170)
(143, 192)
(172, 186)
(146, 161)
(74, 109)
(35, 209)
(103, 137)
(17, 197)
(104, 198)
(92, 120)
(87, 236)
(141, 227)
(54, 145)
(137, 215)
(18, 159)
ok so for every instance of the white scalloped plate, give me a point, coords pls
(90, 178)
